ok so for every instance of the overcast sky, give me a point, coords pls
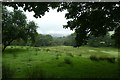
(51, 23)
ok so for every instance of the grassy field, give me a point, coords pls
(60, 62)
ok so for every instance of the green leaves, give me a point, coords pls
(15, 27)
(87, 18)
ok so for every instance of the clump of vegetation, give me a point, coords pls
(111, 59)
(94, 58)
(67, 60)
(80, 55)
(47, 50)
(11, 46)
(58, 55)
(102, 58)
(70, 54)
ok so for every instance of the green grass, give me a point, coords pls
(58, 62)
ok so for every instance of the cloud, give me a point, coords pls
(51, 22)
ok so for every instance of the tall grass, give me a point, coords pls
(57, 62)
(7, 72)
(36, 72)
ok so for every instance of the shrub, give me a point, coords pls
(94, 58)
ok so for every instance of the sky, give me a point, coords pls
(51, 23)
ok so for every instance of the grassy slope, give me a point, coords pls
(49, 62)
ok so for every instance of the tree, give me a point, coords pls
(14, 26)
(101, 41)
(92, 19)
(43, 40)
(70, 40)
(85, 18)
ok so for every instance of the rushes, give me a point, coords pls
(101, 58)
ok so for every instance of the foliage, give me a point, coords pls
(85, 18)
(15, 27)
(70, 40)
(101, 41)
(43, 40)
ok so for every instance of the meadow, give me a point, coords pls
(59, 62)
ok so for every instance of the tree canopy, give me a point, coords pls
(14, 26)
(86, 18)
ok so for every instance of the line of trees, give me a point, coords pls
(47, 40)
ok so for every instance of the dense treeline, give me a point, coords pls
(48, 40)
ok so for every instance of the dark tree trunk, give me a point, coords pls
(5, 45)
(3, 49)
